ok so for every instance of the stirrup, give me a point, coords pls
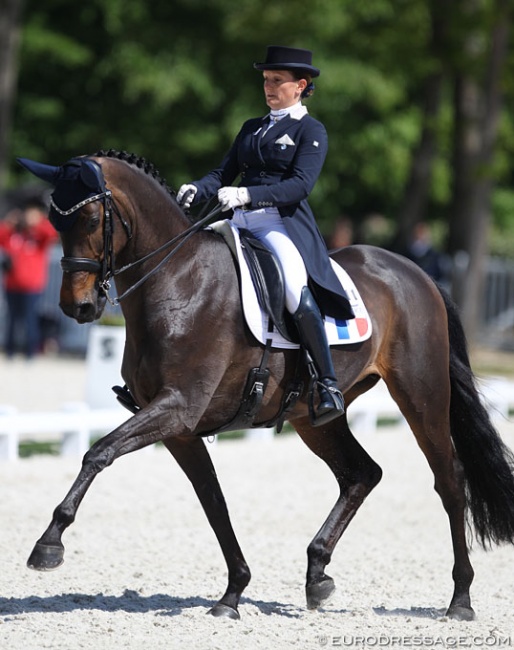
(331, 404)
(125, 398)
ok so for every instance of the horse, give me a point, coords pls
(188, 352)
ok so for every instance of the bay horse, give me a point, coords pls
(188, 352)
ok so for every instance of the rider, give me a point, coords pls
(278, 159)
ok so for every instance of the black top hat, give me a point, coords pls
(288, 58)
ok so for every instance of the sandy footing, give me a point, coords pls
(142, 566)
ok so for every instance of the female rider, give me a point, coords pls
(278, 159)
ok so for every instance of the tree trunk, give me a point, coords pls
(417, 190)
(413, 207)
(476, 112)
(10, 17)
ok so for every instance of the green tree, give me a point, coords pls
(10, 15)
(174, 81)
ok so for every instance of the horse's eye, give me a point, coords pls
(93, 223)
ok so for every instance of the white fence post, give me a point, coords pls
(76, 441)
(103, 365)
(8, 436)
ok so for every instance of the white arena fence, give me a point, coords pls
(77, 423)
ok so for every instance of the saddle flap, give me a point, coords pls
(268, 280)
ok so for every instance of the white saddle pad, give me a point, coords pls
(339, 331)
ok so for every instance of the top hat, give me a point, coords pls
(288, 58)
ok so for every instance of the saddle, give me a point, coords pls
(268, 280)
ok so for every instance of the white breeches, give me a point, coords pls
(267, 226)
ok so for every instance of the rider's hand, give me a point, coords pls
(186, 195)
(233, 197)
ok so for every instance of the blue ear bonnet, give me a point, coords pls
(77, 180)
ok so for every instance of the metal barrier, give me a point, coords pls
(497, 327)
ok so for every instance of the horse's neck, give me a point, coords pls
(155, 216)
(156, 220)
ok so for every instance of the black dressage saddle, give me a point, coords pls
(268, 280)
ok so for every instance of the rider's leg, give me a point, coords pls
(313, 337)
(306, 314)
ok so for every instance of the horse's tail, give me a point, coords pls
(488, 463)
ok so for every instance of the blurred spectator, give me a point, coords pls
(26, 236)
(421, 251)
(341, 235)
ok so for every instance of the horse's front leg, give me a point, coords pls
(192, 456)
(148, 426)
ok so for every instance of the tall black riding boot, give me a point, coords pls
(314, 339)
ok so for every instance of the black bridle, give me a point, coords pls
(105, 269)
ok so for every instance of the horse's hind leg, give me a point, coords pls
(426, 407)
(357, 474)
(433, 437)
(192, 456)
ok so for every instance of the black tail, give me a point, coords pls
(488, 463)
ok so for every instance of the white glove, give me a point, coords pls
(190, 191)
(233, 197)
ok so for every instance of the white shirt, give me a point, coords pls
(296, 111)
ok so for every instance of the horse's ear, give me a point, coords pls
(46, 173)
(91, 175)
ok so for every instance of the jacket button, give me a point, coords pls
(262, 174)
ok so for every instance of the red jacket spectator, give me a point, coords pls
(25, 238)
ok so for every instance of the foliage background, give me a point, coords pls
(173, 81)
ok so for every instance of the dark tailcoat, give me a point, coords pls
(280, 168)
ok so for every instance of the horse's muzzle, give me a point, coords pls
(85, 312)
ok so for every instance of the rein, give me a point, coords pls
(184, 236)
(106, 267)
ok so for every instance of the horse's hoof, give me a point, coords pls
(46, 558)
(318, 593)
(220, 610)
(459, 613)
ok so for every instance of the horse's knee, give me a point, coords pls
(95, 460)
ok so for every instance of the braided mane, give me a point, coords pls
(138, 161)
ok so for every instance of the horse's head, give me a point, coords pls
(81, 211)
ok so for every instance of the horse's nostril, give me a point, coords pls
(85, 312)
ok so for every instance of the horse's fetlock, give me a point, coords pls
(317, 553)
(64, 516)
(241, 576)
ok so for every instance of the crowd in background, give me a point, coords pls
(27, 239)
